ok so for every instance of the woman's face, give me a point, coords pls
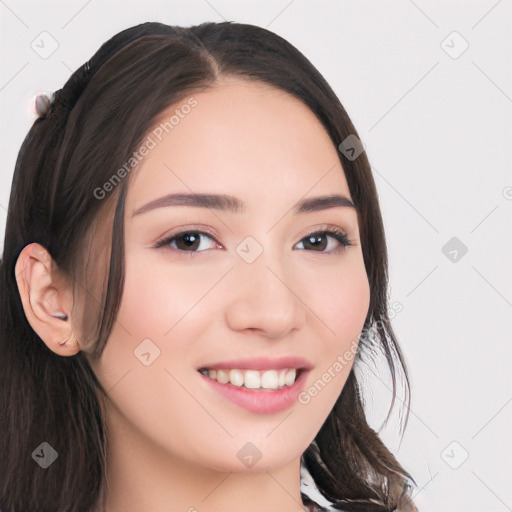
(245, 287)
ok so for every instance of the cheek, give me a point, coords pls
(160, 296)
(164, 310)
(339, 299)
(154, 317)
(160, 314)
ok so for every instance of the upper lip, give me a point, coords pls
(261, 363)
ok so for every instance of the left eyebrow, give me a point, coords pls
(236, 205)
(314, 204)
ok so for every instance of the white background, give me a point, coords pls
(438, 132)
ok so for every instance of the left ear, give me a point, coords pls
(47, 299)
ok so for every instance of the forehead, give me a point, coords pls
(239, 137)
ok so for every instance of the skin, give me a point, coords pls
(173, 441)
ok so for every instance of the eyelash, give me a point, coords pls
(334, 232)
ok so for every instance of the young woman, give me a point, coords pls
(194, 266)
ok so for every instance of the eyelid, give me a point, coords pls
(205, 230)
(326, 227)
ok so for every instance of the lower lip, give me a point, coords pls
(260, 401)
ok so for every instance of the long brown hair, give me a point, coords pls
(95, 123)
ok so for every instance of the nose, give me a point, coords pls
(264, 299)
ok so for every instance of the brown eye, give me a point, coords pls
(189, 241)
(319, 241)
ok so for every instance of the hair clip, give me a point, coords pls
(43, 104)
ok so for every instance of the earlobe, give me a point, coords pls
(47, 299)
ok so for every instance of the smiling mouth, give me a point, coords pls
(254, 379)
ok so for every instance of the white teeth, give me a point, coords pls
(269, 380)
(222, 376)
(290, 377)
(252, 379)
(236, 377)
(255, 379)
